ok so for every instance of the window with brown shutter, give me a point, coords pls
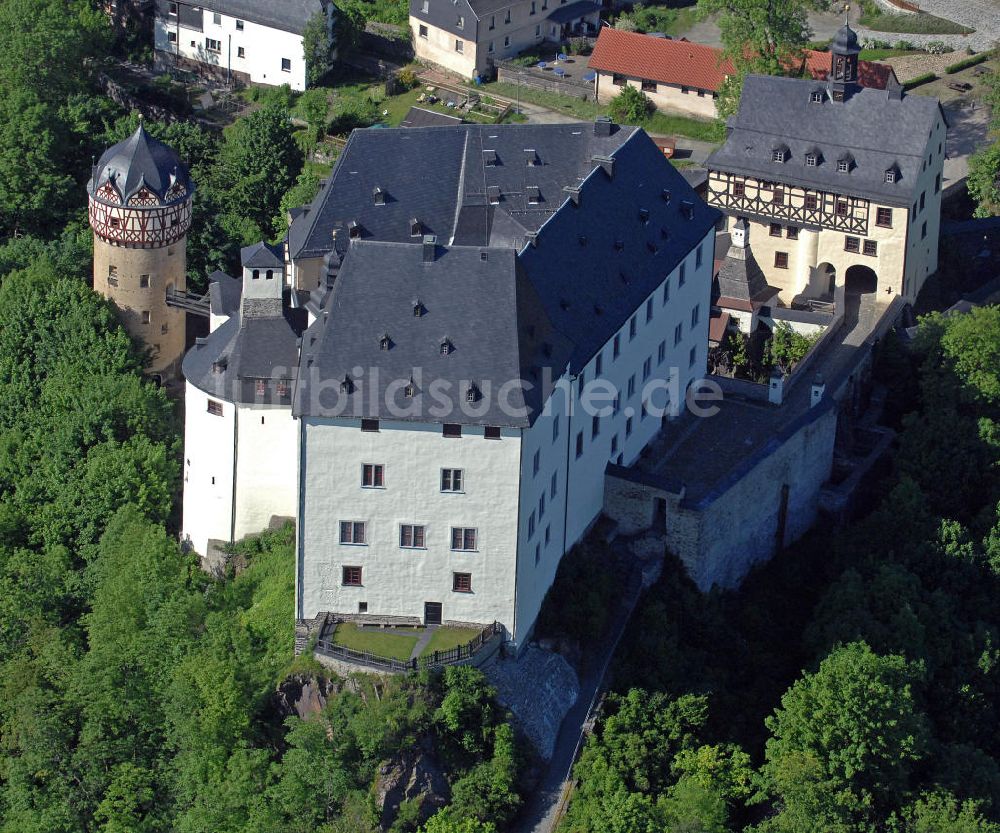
(461, 582)
(351, 577)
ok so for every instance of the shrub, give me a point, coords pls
(937, 47)
(965, 63)
(630, 106)
(926, 78)
(903, 45)
(626, 24)
(407, 78)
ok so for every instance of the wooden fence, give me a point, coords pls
(437, 659)
(513, 74)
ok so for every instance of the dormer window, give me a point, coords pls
(687, 209)
(534, 195)
(644, 215)
(489, 158)
(353, 229)
(385, 342)
(472, 394)
(779, 154)
(530, 157)
(347, 385)
(582, 239)
(844, 164)
(665, 194)
(416, 227)
(890, 175)
(418, 309)
(619, 245)
(379, 195)
(812, 159)
(460, 22)
(446, 347)
(410, 390)
(816, 96)
(493, 194)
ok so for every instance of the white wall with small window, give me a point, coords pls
(263, 54)
(446, 505)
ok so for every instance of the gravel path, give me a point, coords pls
(981, 15)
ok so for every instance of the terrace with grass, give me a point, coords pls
(920, 23)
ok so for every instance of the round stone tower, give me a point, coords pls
(140, 211)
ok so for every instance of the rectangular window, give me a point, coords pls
(595, 426)
(618, 80)
(923, 199)
(239, 25)
(493, 22)
(693, 357)
(682, 274)
(541, 506)
(411, 536)
(614, 445)
(781, 260)
(775, 230)
(217, 19)
(678, 334)
(506, 39)
(554, 486)
(451, 429)
(792, 233)
(491, 432)
(352, 532)
(661, 352)
(810, 201)
(852, 244)
(351, 577)
(778, 196)
(422, 31)
(143, 281)
(870, 248)
(531, 525)
(536, 463)
(145, 316)
(548, 535)
(616, 349)
(648, 86)
(883, 217)
(937, 183)
(739, 189)
(628, 427)
(695, 314)
(212, 45)
(261, 387)
(699, 256)
(631, 386)
(649, 310)
(241, 52)
(579, 443)
(452, 480)
(923, 231)
(463, 539)
(460, 46)
(369, 425)
(172, 9)
(461, 582)
(631, 328)
(555, 429)
(214, 408)
(460, 23)
(841, 208)
(172, 37)
(647, 368)
(372, 475)
(666, 291)
(491, 48)
(599, 364)
(286, 64)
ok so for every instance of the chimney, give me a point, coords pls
(607, 163)
(603, 126)
(775, 387)
(573, 191)
(430, 247)
(818, 389)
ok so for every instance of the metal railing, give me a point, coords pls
(435, 659)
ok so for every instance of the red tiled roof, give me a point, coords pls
(689, 64)
(718, 323)
(658, 59)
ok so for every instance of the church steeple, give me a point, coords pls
(844, 51)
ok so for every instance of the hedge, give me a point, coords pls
(926, 78)
(971, 61)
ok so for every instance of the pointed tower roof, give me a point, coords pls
(142, 161)
(740, 276)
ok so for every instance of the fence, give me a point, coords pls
(513, 74)
(453, 656)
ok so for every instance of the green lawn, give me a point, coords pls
(883, 54)
(444, 639)
(657, 123)
(392, 645)
(913, 24)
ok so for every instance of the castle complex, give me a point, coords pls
(456, 359)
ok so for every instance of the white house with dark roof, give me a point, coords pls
(495, 335)
(251, 41)
(469, 37)
(840, 184)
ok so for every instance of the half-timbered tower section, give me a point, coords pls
(840, 184)
(140, 211)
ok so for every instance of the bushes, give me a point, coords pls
(965, 63)
(926, 78)
(630, 106)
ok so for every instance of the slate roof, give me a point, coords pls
(140, 160)
(683, 63)
(573, 11)
(263, 256)
(230, 360)
(876, 130)
(224, 292)
(440, 177)
(741, 278)
(419, 117)
(287, 15)
(475, 299)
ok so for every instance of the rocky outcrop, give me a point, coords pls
(414, 777)
(303, 695)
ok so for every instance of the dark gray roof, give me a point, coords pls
(263, 256)
(444, 14)
(419, 117)
(228, 363)
(224, 293)
(596, 262)
(876, 130)
(287, 15)
(741, 277)
(476, 299)
(573, 11)
(440, 176)
(141, 160)
(845, 41)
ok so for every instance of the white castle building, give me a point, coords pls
(494, 314)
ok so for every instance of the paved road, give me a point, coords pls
(824, 25)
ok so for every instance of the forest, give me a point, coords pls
(852, 685)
